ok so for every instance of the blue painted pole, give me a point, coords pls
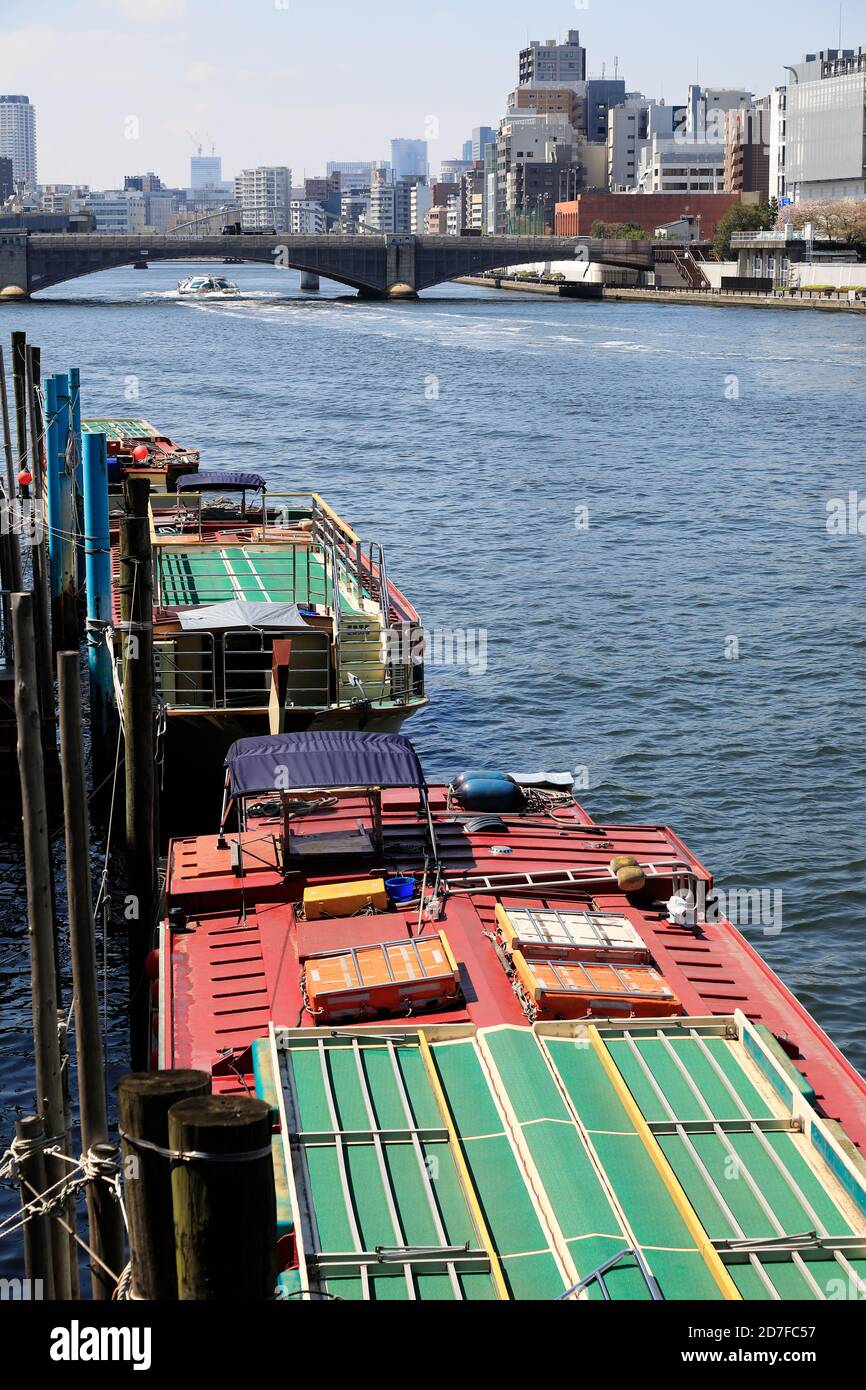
(98, 572)
(67, 628)
(75, 402)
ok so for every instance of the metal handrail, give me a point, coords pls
(597, 1276)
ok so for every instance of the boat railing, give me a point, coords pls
(195, 672)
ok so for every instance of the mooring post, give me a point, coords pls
(136, 611)
(103, 1210)
(97, 556)
(37, 858)
(30, 1141)
(55, 505)
(41, 603)
(66, 624)
(19, 387)
(225, 1221)
(144, 1100)
(12, 550)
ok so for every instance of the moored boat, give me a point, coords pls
(136, 449)
(270, 614)
(509, 1050)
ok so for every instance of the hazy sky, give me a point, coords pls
(282, 82)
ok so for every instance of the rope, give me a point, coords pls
(196, 1155)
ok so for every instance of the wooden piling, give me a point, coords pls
(11, 550)
(41, 607)
(225, 1222)
(37, 858)
(136, 609)
(30, 1133)
(144, 1100)
(103, 1211)
(19, 389)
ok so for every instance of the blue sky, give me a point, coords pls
(281, 82)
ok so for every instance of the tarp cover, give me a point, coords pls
(322, 758)
(216, 617)
(230, 482)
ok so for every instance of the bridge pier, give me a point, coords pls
(14, 270)
(310, 281)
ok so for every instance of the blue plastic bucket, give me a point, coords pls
(401, 888)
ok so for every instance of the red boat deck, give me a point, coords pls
(235, 969)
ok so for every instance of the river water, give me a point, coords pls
(637, 517)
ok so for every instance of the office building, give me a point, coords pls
(7, 183)
(205, 171)
(18, 138)
(825, 119)
(409, 159)
(118, 211)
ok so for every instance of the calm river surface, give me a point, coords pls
(630, 501)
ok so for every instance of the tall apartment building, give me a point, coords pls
(307, 217)
(825, 119)
(263, 196)
(409, 159)
(391, 205)
(747, 149)
(18, 138)
(563, 63)
(528, 139)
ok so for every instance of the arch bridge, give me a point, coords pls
(380, 266)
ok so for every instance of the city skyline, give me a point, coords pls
(295, 92)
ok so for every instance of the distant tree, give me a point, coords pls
(741, 217)
(617, 230)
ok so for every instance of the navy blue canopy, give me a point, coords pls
(229, 482)
(323, 758)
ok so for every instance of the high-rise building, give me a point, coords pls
(205, 171)
(778, 139)
(706, 111)
(825, 137)
(482, 136)
(409, 158)
(18, 138)
(7, 183)
(263, 195)
(563, 63)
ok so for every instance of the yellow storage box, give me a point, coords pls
(344, 899)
